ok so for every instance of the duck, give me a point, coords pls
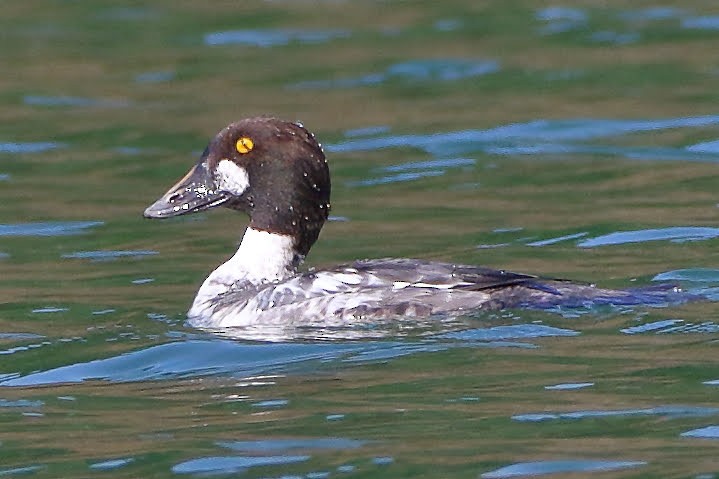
(276, 172)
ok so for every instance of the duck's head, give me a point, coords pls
(273, 170)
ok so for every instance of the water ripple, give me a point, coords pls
(701, 23)
(537, 468)
(49, 309)
(447, 24)
(568, 386)
(708, 275)
(54, 101)
(709, 432)
(654, 326)
(432, 164)
(20, 403)
(538, 136)
(561, 19)
(672, 412)
(19, 336)
(51, 228)
(109, 255)
(275, 445)
(271, 403)
(272, 38)
(155, 77)
(21, 470)
(558, 239)
(32, 147)
(219, 357)
(705, 147)
(414, 70)
(614, 38)
(652, 13)
(677, 234)
(232, 464)
(194, 358)
(550, 14)
(397, 178)
(111, 464)
(367, 131)
(519, 331)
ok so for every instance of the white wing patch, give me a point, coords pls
(435, 286)
(333, 282)
(348, 278)
(404, 284)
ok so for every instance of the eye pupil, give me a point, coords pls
(244, 145)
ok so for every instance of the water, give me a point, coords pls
(567, 141)
(272, 38)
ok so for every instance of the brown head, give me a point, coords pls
(273, 170)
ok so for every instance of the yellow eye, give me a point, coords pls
(244, 145)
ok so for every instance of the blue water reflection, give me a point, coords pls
(272, 38)
(31, 147)
(232, 464)
(50, 228)
(677, 234)
(522, 135)
(425, 70)
(538, 468)
(109, 254)
(195, 358)
(670, 412)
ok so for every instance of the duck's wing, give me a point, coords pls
(390, 281)
(432, 274)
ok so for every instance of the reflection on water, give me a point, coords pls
(20, 470)
(49, 309)
(413, 71)
(652, 14)
(561, 19)
(614, 38)
(558, 20)
(277, 445)
(701, 23)
(111, 464)
(75, 101)
(272, 38)
(52, 228)
(108, 255)
(538, 468)
(155, 77)
(558, 239)
(396, 178)
(676, 234)
(33, 147)
(670, 412)
(232, 464)
(568, 386)
(516, 135)
(200, 358)
(709, 432)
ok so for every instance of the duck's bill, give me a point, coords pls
(195, 192)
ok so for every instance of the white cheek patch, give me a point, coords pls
(231, 177)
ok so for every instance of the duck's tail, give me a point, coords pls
(547, 295)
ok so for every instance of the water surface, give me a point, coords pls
(571, 141)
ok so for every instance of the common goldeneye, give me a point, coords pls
(276, 172)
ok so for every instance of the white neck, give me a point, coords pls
(262, 257)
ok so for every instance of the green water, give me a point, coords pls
(497, 133)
